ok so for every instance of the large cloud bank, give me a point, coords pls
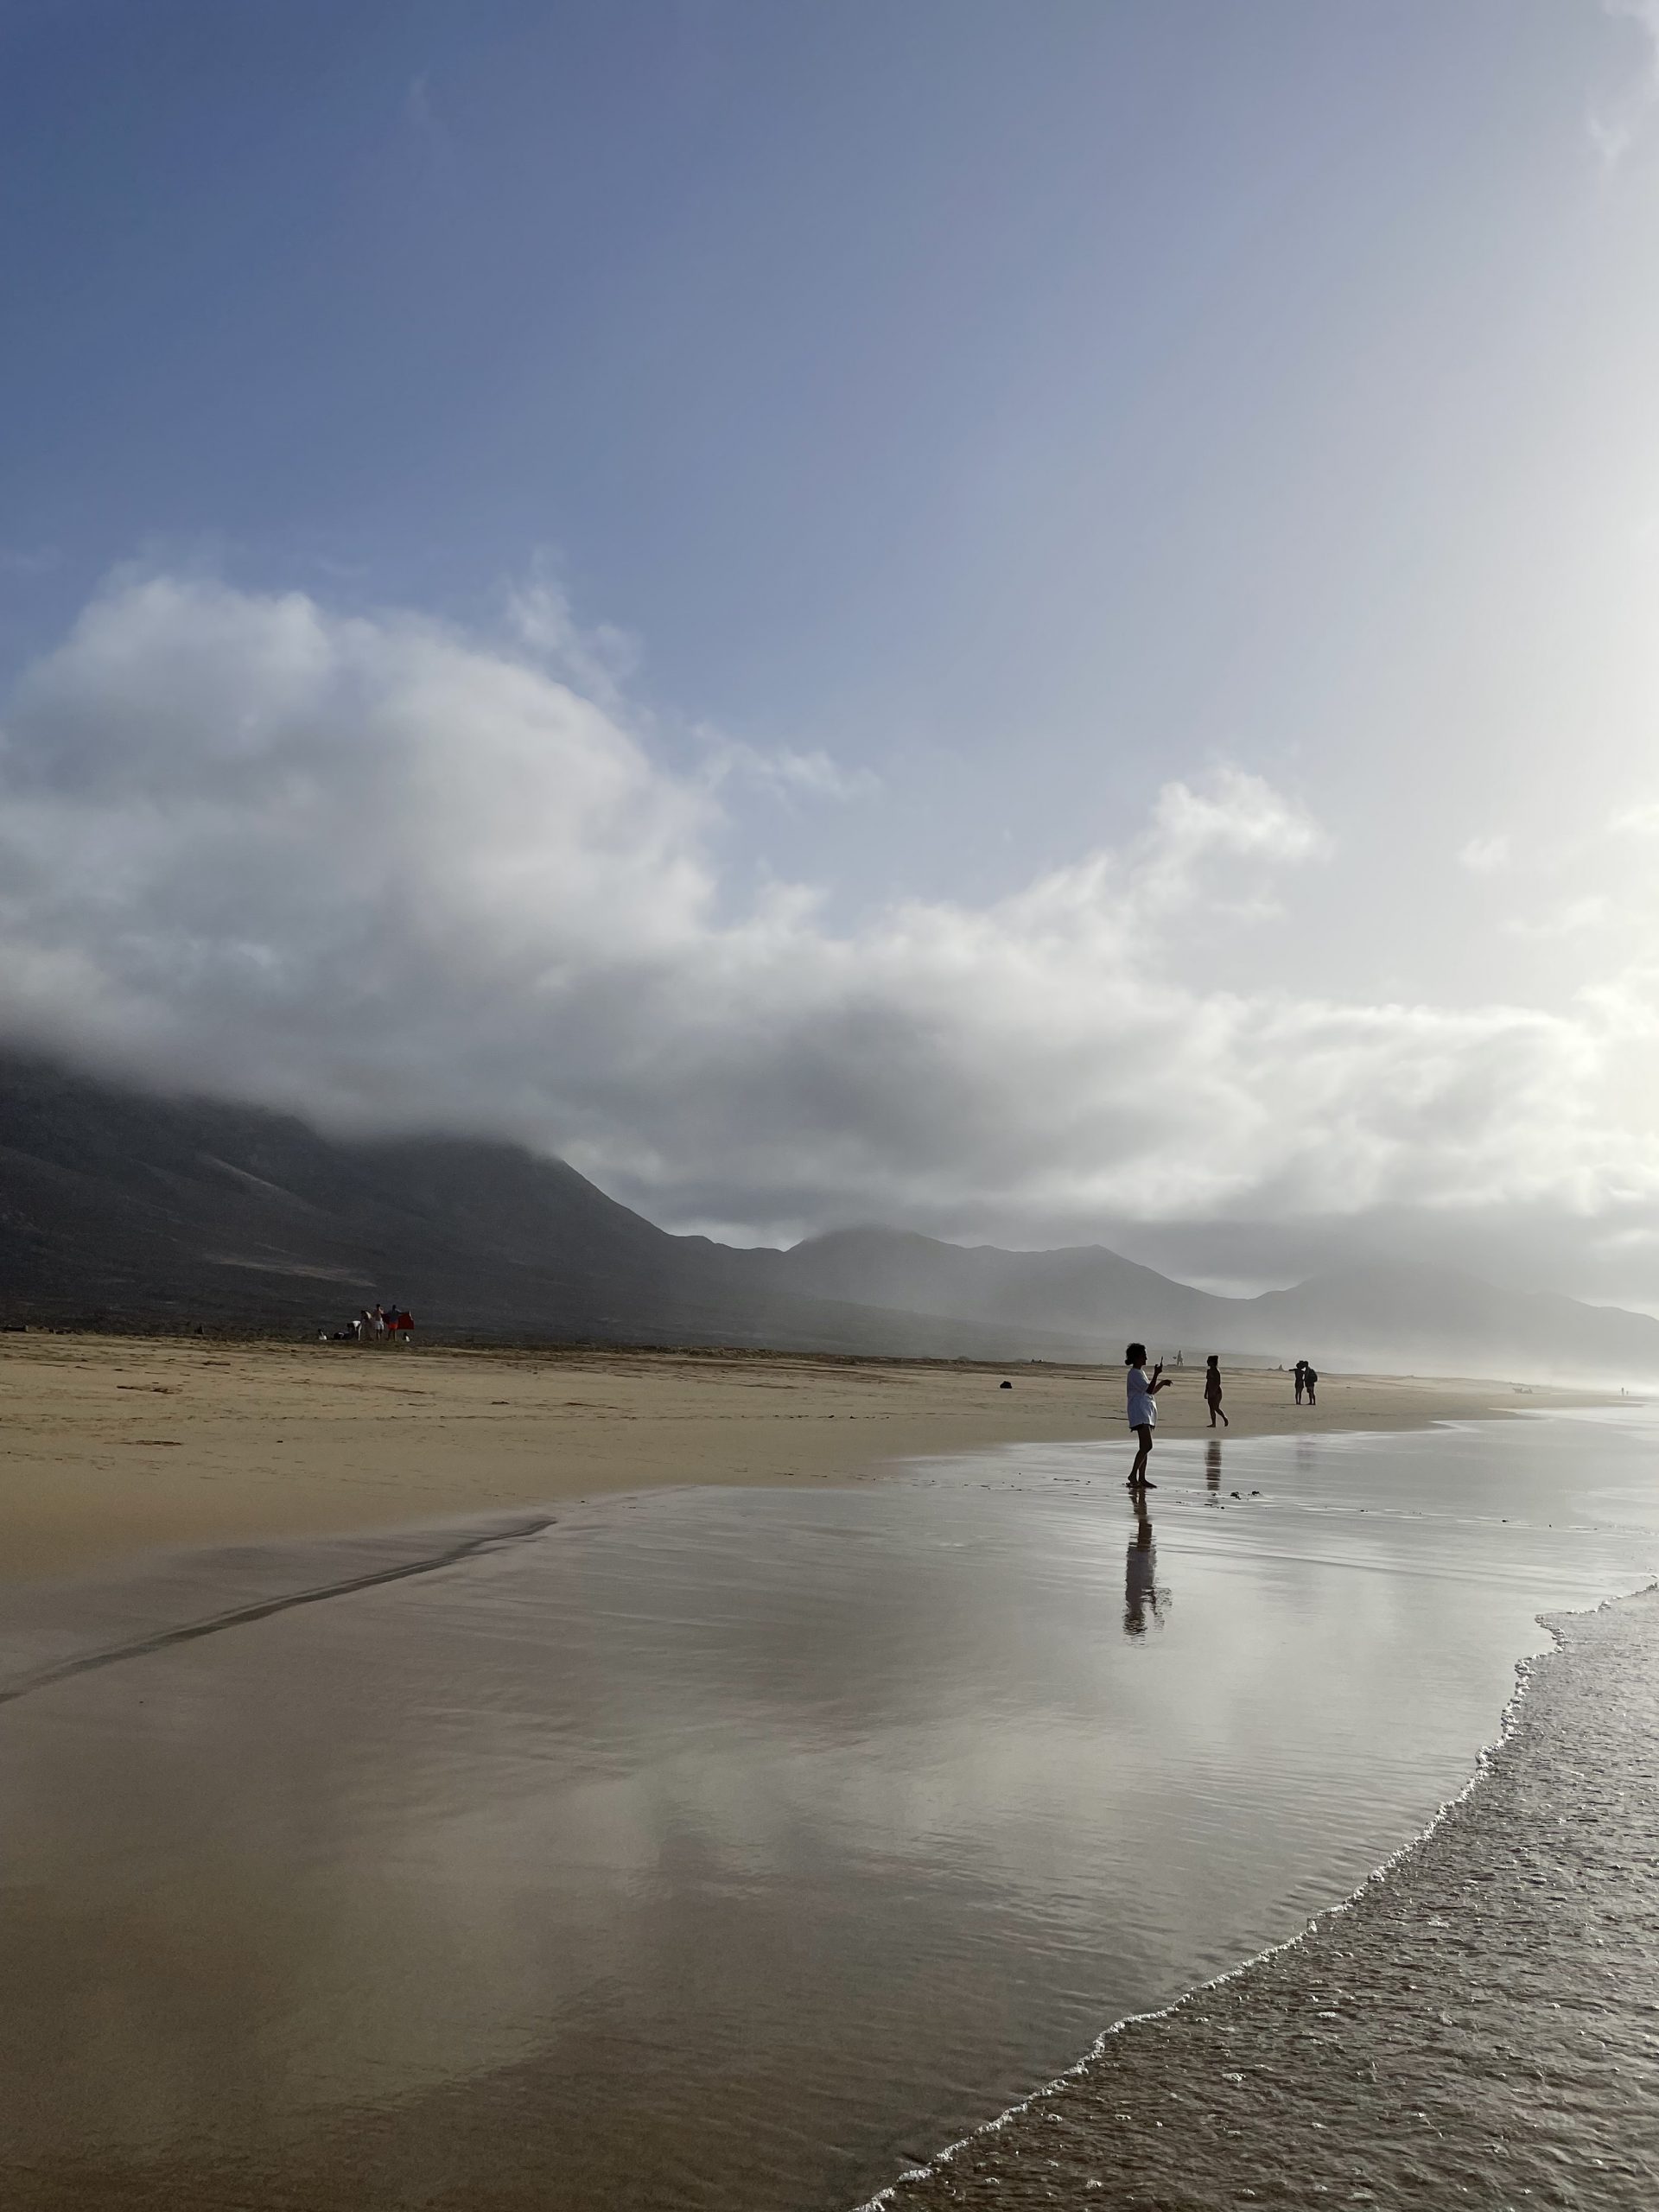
(387, 874)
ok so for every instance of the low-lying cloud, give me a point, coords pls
(393, 876)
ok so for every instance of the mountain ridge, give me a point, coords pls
(127, 1208)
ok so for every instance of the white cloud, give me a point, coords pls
(1616, 129)
(384, 872)
(598, 659)
(785, 773)
(1486, 856)
(1571, 918)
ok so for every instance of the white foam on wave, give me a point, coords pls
(1527, 1669)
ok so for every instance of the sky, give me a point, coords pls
(1036, 623)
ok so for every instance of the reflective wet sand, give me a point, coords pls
(1479, 2028)
(732, 1847)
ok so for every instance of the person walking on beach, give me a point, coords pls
(1302, 1379)
(1309, 1378)
(1212, 1389)
(1142, 1409)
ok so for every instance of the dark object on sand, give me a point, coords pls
(1005, 1386)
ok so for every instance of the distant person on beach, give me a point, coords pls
(1142, 1409)
(1302, 1379)
(1212, 1389)
(1309, 1378)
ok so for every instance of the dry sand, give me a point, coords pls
(110, 1446)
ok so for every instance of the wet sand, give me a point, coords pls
(736, 1848)
(115, 1446)
(1476, 2029)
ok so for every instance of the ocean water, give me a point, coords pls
(743, 1848)
(1479, 2027)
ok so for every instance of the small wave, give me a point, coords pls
(1444, 2030)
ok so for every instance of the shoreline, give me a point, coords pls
(946, 2164)
(120, 1446)
(1011, 2151)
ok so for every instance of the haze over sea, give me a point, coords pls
(738, 1848)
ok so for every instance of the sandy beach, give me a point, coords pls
(735, 1849)
(115, 1446)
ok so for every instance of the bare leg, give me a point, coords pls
(1139, 1478)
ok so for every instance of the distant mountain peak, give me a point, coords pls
(127, 1206)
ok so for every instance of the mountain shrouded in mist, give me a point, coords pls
(134, 1210)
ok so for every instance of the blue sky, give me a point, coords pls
(926, 433)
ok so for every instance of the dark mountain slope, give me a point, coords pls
(137, 1211)
(133, 1210)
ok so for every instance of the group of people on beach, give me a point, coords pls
(378, 1325)
(1143, 1388)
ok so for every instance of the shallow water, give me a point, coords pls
(734, 1847)
(1480, 2027)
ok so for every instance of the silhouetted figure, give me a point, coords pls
(1302, 1379)
(1142, 1409)
(1212, 1389)
(1140, 1575)
(1212, 1468)
(1309, 1379)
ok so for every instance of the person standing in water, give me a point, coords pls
(1212, 1389)
(1143, 1409)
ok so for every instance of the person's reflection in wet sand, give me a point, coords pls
(1212, 1471)
(1141, 1596)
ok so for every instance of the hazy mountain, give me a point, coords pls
(1416, 1319)
(137, 1211)
(120, 1207)
(1437, 1320)
(1084, 1291)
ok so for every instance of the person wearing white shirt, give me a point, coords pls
(1143, 1409)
